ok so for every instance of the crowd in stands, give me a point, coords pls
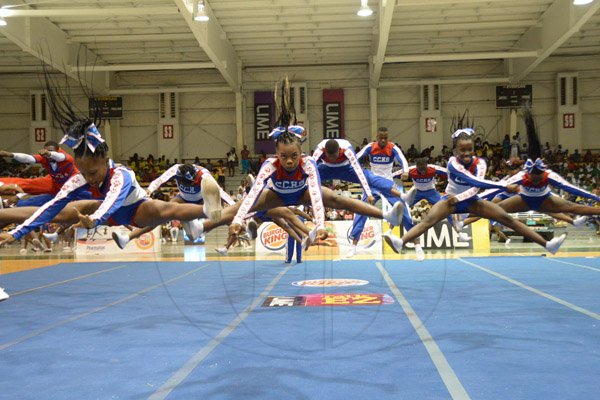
(16, 169)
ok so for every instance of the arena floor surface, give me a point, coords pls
(494, 327)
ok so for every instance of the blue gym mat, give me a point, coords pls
(480, 328)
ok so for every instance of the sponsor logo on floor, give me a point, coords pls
(320, 300)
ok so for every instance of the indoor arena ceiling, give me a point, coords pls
(162, 35)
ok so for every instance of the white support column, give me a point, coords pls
(239, 121)
(108, 137)
(373, 112)
(431, 127)
(169, 136)
(380, 39)
(568, 118)
(513, 121)
(116, 140)
(40, 129)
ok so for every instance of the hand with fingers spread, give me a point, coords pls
(283, 224)
(10, 201)
(512, 188)
(234, 231)
(84, 221)
(322, 234)
(6, 238)
(10, 188)
(452, 200)
(44, 153)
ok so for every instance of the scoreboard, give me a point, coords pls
(514, 96)
(110, 107)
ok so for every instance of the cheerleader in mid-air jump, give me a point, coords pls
(465, 178)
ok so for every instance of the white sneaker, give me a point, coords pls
(395, 214)
(194, 228)
(394, 242)
(221, 250)
(211, 194)
(507, 243)
(37, 245)
(48, 250)
(3, 294)
(553, 245)
(352, 251)
(120, 239)
(463, 237)
(252, 228)
(52, 237)
(251, 180)
(420, 253)
(458, 225)
(579, 222)
(23, 251)
(307, 241)
(409, 197)
(67, 249)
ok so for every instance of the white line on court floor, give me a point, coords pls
(575, 265)
(67, 280)
(197, 358)
(95, 310)
(456, 389)
(534, 290)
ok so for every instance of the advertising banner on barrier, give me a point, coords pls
(442, 236)
(99, 241)
(370, 241)
(272, 239)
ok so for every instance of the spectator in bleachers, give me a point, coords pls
(514, 147)
(412, 152)
(245, 154)
(221, 174)
(547, 151)
(506, 146)
(243, 186)
(232, 160)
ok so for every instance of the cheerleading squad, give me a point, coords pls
(89, 189)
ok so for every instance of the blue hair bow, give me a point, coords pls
(296, 130)
(91, 135)
(468, 131)
(188, 175)
(537, 164)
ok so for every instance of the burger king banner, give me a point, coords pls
(99, 241)
(370, 242)
(271, 238)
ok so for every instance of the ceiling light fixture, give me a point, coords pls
(200, 11)
(2, 20)
(364, 10)
(581, 2)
